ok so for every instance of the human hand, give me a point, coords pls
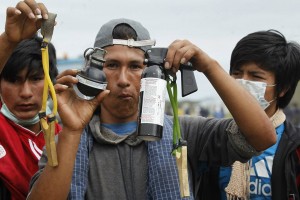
(24, 20)
(74, 112)
(182, 51)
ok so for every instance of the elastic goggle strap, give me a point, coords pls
(133, 43)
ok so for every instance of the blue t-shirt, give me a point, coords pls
(121, 128)
(260, 173)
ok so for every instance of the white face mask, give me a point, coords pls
(257, 89)
(27, 122)
(6, 112)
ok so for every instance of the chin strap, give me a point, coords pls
(179, 145)
(48, 121)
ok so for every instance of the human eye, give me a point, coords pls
(37, 78)
(111, 65)
(236, 74)
(136, 66)
(258, 76)
(14, 80)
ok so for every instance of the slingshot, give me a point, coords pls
(179, 145)
(48, 121)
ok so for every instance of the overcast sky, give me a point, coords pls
(213, 25)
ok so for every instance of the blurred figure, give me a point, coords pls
(293, 113)
(219, 112)
(204, 112)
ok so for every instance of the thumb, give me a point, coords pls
(99, 98)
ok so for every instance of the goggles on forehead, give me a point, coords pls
(133, 43)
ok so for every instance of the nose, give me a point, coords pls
(26, 90)
(123, 80)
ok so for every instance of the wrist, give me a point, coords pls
(71, 132)
(211, 67)
(69, 137)
(7, 47)
(6, 43)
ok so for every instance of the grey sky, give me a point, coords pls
(213, 25)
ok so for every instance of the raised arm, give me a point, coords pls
(22, 22)
(249, 116)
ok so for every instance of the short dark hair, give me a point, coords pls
(271, 52)
(28, 54)
(124, 31)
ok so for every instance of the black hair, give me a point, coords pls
(271, 52)
(124, 31)
(28, 54)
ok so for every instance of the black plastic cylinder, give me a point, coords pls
(152, 103)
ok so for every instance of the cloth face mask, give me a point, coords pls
(6, 112)
(257, 89)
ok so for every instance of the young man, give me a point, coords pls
(21, 89)
(21, 137)
(100, 156)
(269, 68)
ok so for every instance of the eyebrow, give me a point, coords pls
(257, 72)
(250, 71)
(130, 61)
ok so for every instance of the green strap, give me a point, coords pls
(172, 91)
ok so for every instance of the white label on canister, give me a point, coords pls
(153, 100)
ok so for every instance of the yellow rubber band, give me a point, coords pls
(48, 83)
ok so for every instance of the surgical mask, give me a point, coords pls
(23, 122)
(257, 89)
